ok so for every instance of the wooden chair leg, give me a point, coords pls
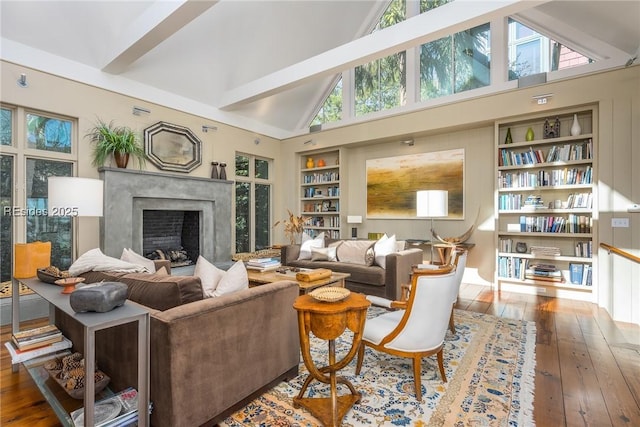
(417, 374)
(441, 366)
(452, 326)
(360, 358)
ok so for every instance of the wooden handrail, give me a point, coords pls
(620, 252)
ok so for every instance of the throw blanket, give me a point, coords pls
(95, 260)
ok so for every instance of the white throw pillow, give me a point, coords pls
(209, 275)
(131, 256)
(305, 248)
(234, 279)
(324, 254)
(382, 248)
(95, 260)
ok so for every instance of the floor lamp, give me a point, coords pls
(432, 204)
(75, 197)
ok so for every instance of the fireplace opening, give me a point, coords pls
(172, 235)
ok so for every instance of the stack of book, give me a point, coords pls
(263, 264)
(545, 251)
(546, 272)
(28, 344)
(38, 337)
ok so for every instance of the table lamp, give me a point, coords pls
(432, 204)
(354, 219)
(75, 197)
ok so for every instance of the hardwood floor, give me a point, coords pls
(587, 366)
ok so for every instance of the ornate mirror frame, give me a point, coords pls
(172, 147)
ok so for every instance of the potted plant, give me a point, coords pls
(121, 141)
(293, 226)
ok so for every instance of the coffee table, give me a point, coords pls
(257, 278)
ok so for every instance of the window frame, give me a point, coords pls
(252, 180)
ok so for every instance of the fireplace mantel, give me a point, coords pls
(127, 192)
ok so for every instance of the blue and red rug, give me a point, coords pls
(489, 362)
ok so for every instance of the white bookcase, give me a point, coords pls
(546, 199)
(320, 192)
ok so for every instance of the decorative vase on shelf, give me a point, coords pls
(223, 170)
(321, 163)
(214, 170)
(508, 139)
(575, 127)
(529, 135)
(310, 163)
(521, 247)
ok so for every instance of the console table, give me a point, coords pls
(92, 322)
(328, 321)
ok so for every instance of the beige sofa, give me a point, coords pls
(367, 279)
(209, 357)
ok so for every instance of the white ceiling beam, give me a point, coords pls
(453, 17)
(159, 22)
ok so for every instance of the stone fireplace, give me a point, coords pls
(133, 198)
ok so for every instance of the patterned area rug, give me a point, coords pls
(489, 362)
(6, 291)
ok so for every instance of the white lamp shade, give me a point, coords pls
(354, 219)
(73, 196)
(432, 203)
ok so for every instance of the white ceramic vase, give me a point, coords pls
(575, 127)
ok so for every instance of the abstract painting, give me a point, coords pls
(392, 183)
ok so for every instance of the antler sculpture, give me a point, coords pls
(461, 238)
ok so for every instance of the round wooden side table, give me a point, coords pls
(327, 321)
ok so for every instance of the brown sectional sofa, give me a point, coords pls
(208, 357)
(369, 280)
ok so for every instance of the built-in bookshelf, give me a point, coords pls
(546, 203)
(320, 194)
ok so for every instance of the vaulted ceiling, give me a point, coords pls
(266, 65)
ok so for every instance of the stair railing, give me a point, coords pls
(620, 252)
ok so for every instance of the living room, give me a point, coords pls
(460, 123)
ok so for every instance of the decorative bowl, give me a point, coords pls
(54, 368)
(69, 283)
(50, 275)
(330, 293)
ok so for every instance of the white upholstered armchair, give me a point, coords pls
(417, 330)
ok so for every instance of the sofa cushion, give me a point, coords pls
(356, 252)
(305, 248)
(234, 279)
(128, 255)
(162, 292)
(95, 260)
(384, 247)
(323, 254)
(371, 275)
(209, 275)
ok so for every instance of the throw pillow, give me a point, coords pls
(305, 248)
(209, 275)
(131, 256)
(323, 254)
(356, 252)
(382, 248)
(234, 279)
(95, 260)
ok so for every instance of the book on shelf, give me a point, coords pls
(118, 410)
(576, 271)
(19, 356)
(36, 337)
(35, 343)
(532, 276)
